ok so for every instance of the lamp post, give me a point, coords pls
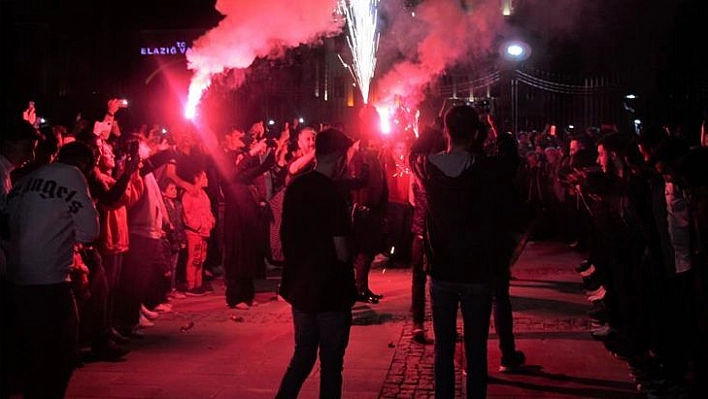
(513, 52)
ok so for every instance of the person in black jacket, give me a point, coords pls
(318, 276)
(470, 238)
(242, 248)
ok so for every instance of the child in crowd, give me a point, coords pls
(198, 222)
(175, 234)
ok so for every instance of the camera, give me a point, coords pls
(134, 148)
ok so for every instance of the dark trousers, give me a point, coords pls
(93, 311)
(327, 332)
(362, 267)
(43, 331)
(7, 376)
(239, 288)
(135, 280)
(112, 266)
(418, 281)
(398, 231)
(677, 338)
(367, 228)
(503, 318)
(475, 301)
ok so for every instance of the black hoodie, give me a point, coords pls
(470, 215)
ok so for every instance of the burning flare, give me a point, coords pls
(252, 29)
(363, 40)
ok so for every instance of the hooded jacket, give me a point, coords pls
(470, 214)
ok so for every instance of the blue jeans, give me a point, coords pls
(328, 331)
(476, 303)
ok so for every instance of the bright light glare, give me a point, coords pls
(301, 120)
(190, 111)
(385, 117)
(630, 96)
(515, 50)
(637, 122)
(363, 40)
(271, 122)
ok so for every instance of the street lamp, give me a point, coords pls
(515, 51)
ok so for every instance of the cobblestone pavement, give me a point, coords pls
(243, 354)
(544, 266)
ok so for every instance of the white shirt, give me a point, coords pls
(146, 216)
(49, 211)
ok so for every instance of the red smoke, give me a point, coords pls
(253, 29)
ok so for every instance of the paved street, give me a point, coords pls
(231, 353)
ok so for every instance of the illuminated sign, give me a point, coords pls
(177, 48)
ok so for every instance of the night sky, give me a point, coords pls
(64, 41)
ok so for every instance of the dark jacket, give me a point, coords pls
(469, 222)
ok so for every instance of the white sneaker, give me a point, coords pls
(149, 314)
(177, 295)
(241, 306)
(144, 322)
(163, 307)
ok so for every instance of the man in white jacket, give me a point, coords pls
(48, 212)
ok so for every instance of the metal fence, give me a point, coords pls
(530, 99)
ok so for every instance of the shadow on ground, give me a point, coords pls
(596, 388)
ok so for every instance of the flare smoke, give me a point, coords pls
(252, 29)
(440, 34)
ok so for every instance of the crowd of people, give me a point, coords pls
(104, 228)
(153, 215)
(635, 206)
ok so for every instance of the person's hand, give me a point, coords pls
(163, 145)
(258, 148)
(114, 105)
(30, 114)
